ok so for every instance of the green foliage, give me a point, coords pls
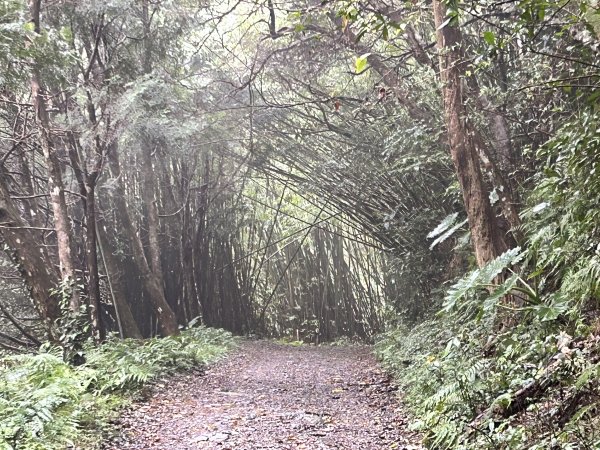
(41, 396)
(122, 368)
(445, 229)
(462, 368)
(563, 218)
(480, 278)
(454, 384)
(48, 404)
(73, 327)
(12, 40)
(361, 63)
(290, 341)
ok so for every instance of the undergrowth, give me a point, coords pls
(460, 386)
(512, 361)
(47, 404)
(501, 367)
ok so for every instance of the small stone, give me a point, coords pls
(219, 437)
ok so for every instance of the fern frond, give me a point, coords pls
(480, 278)
(444, 225)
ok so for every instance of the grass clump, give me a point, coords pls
(47, 404)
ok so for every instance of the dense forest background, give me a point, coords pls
(317, 170)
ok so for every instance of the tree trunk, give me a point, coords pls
(55, 182)
(486, 238)
(128, 325)
(200, 245)
(190, 293)
(32, 260)
(164, 313)
(91, 256)
(148, 196)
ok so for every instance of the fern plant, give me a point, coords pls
(445, 229)
(47, 404)
(482, 281)
(562, 219)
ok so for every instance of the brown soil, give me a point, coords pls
(270, 396)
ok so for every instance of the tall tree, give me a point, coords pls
(151, 284)
(55, 177)
(486, 237)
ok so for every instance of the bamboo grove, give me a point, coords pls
(423, 174)
(269, 168)
(129, 200)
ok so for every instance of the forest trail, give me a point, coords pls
(271, 396)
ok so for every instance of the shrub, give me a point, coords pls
(47, 404)
(460, 374)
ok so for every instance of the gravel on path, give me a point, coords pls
(272, 396)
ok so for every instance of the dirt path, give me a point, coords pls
(269, 396)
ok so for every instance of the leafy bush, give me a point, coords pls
(440, 374)
(455, 389)
(48, 404)
(461, 373)
(563, 220)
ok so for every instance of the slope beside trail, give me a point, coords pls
(270, 396)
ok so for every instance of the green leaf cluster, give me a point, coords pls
(47, 404)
